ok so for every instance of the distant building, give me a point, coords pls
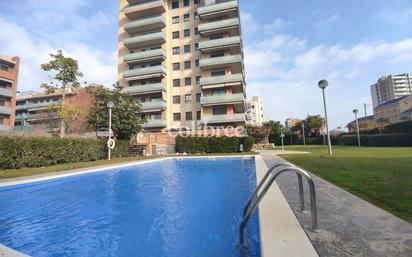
(40, 109)
(395, 110)
(364, 122)
(291, 122)
(9, 72)
(254, 112)
(391, 87)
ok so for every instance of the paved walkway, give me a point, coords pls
(350, 226)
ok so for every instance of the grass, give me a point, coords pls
(14, 173)
(380, 175)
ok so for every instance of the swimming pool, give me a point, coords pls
(172, 207)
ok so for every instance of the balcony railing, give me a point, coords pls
(222, 99)
(6, 92)
(232, 78)
(158, 71)
(217, 25)
(145, 56)
(145, 24)
(155, 124)
(214, 119)
(44, 105)
(153, 105)
(42, 116)
(219, 43)
(144, 9)
(152, 39)
(209, 7)
(5, 110)
(145, 89)
(220, 61)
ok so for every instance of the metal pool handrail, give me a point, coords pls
(249, 211)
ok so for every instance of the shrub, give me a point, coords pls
(197, 144)
(247, 143)
(192, 144)
(376, 140)
(223, 144)
(20, 152)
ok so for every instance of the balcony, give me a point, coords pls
(219, 26)
(42, 116)
(6, 92)
(7, 76)
(221, 43)
(144, 9)
(218, 119)
(153, 106)
(145, 89)
(152, 55)
(155, 124)
(154, 23)
(217, 9)
(232, 61)
(222, 99)
(5, 110)
(38, 106)
(145, 73)
(226, 80)
(21, 107)
(145, 40)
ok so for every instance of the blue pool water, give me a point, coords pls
(176, 208)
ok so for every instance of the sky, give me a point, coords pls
(289, 46)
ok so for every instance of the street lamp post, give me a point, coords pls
(110, 105)
(355, 111)
(303, 133)
(281, 137)
(323, 84)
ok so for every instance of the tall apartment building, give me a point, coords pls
(9, 72)
(183, 61)
(254, 112)
(391, 87)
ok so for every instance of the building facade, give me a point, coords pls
(394, 111)
(391, 87)
(183, 61)
(254, 112)
(9, 72)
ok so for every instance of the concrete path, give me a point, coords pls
(349, 225)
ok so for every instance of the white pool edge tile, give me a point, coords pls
(280, 232)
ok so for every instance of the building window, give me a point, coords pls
(196, 31)
(219, 110)
(189, 116)
(196, 16)
(176, 66)
(175, 34)
(198, 97)
(176, 50)
(175, 5)
(187, 48)
(217, 54)
(197, 63)
(176, 99)
(216, 36)
(196, 46)
(176, 116)
(188, 81)
(188, 98)
(187, 64)
(218, 73)
(175, 19)
(176, 83)
(2, 102)
(197, 79)
(187, 32)
(199, 115)
(186, 17)
(219, 91)
(186, 3)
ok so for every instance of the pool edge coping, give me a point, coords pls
(280, 234)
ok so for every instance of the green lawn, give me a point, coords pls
(380, 175)
(13, 173)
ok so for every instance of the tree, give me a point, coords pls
(65, 71)
(275, 130)
(314, 123)
(259, 134)
(125, 119)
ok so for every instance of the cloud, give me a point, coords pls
(284, 71)
(322, 20)
(42, 29)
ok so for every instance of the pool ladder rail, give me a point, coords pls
(267, 181)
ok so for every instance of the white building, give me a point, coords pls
(254, 112)
(391, 87)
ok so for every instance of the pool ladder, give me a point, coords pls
(267, 182)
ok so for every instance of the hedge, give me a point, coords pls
(375, 140)
(223, 144)
(21, 152)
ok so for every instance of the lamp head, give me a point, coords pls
(355, 111)
(323, 84)
(110, 104)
